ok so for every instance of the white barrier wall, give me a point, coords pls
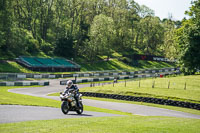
(21, 76)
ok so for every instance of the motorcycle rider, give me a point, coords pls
(71, 86)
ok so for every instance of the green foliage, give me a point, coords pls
(102, 36)
(188, 40)
(170, 46)
(64, 47)
(92, 28)
(61, 27)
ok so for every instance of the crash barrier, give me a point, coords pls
(97, 74)
(6, 76)
(144, 99)
(63, 82)
(24, 83)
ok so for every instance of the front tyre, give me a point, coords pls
(80, 109)
(65, 107)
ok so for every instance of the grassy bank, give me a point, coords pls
(129, 124)
(182, 88)
(13, 67)
(115, 64)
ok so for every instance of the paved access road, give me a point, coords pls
(125, 107)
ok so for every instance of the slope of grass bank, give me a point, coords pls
(115, 64)
(13, 67)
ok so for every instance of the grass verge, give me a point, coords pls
(129, 124)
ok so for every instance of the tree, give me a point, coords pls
(189, 40)
(151, 35)
(64, 47)
(5, 25)
(102, 35)
(170, 46)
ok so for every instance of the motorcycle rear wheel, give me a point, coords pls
(65, 107)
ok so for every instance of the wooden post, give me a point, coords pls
(185, 86)
(113, 84)
(153, 84)
(125, 83)
(168, 84)
(139, 83)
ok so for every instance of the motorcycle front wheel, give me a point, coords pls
(80, 109)
(65, 107)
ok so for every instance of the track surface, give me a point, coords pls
(18, 113)
(55, 87)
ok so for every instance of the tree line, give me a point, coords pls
(87, 28)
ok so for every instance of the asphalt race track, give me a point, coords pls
(15, 113)
(18, 113)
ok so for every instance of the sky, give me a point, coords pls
(163, 8)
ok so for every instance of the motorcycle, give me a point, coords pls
(69, 102)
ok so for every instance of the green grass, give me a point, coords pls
(119, 65)
(125, 124)
(129, 124)
(20, 99)
(13, 67)
(175, 92)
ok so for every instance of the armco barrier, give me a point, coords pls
(29, 75)
(24, 83)
(144, 99)
(63, 82)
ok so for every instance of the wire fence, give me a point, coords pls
(153, 83)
